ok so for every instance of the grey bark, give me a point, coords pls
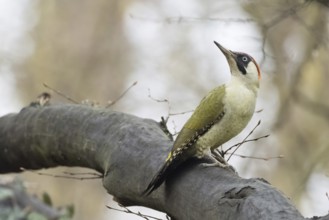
(128, 151)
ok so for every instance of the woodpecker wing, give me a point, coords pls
(209, 111)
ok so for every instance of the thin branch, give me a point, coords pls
(267, 26)
(164, 120)
(164, 128)
(111, 103)
(258, 158)
(42, 100)
(174, 128)
(82, 173)
(181, 19)
(264, 53)
(155, 99)
(68, 176)
(246, 141)
(239, 145)
(180, 113)
(285, 14)
(60, 93)
(139, 214)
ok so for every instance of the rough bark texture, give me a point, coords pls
(128, 150)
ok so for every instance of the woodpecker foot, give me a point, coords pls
(224, 165)
(217, 156)
(216, 164)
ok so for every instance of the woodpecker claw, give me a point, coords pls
(219, 164)
(216, 164)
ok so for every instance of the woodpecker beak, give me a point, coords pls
(225, 51)
(230, 56)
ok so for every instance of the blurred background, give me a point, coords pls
(95, 50)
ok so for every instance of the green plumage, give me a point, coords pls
(210, 108)
(220, 116)
(209, 111)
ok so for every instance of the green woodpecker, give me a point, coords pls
(220, 116)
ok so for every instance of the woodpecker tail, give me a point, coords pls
(161, 175)
(174, 159)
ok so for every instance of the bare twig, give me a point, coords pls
(285, 14)
(111, 103)
(169, 107)
(163, 126)
(60, 93)
(42, 100)
(181, 19)
(180, 113)
(68, 175)
(258, 158)
(126, 210)
(155, 99)
(82, 173)
(244, 140)
(164, 120)
(161, 100)
(174, 128)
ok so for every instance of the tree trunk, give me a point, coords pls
(128, 151)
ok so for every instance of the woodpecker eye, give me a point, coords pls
(244, 59)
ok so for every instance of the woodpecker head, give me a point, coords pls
(242, 65)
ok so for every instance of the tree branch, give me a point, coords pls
(128, 151)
